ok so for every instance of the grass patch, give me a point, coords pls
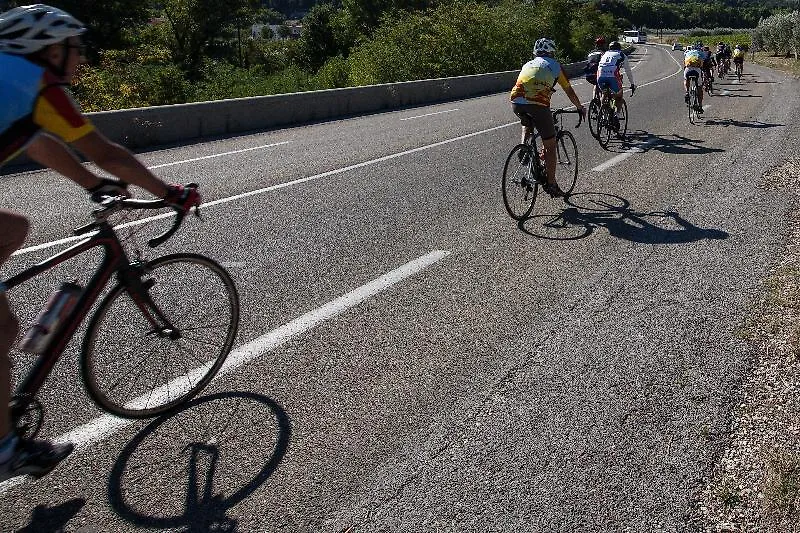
(711, 40)
(728, 493)
(782, 486)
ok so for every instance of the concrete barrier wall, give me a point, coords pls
(145, 127)
(151, 126)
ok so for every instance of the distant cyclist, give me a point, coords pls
(708, 67)
(530, 101)
(592, 61)
(609, 74)
(738, 57)
(693, 65)
(719, 57)
(40, 50)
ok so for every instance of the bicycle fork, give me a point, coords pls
(138, 288)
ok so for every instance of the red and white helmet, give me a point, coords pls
(28, 29)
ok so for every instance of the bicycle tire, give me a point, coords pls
(115, 340)
(592, 117)
(604, 129)
(693, 115)
(566, 162)
(519, 184)
(623, 121)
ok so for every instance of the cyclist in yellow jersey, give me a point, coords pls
(530, 100)
(738, 56)
(40, 50)
(693, 60)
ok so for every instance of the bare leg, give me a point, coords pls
(550, 160)
(15, 228)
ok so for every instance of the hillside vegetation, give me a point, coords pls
(152, 52)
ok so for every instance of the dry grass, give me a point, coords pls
(787, 64)
(755, 487)
(781, 487)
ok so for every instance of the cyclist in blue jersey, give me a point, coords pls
(40, 50)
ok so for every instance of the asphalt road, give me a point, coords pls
(573, 374)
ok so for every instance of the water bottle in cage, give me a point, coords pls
(59, 306)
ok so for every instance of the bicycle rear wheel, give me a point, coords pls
(604, 126)
(567, 161)
(147, 351)
(519, 181)
(693, 102)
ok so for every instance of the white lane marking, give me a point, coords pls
(220, 155)
(106, 425)
(68, 240)
(624, 155)
(430, 114)
(228, 199)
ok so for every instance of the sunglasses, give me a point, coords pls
(80, 47)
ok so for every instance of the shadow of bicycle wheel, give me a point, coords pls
(188, 469)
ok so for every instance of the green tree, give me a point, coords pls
(196, 23)
(318, 41)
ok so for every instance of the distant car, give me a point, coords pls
(677, 46)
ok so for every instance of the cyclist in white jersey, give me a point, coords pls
(609, 75)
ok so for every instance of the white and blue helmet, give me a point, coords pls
(28, 29)
(544, 46)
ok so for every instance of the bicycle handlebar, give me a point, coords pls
(569, 112)
(113, 204)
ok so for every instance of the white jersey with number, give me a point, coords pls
(610, 64)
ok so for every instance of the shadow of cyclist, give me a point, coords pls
(585, 212)
(725, 122)
(216, 444)
(45, 519)
(670, 144)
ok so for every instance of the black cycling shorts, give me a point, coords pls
(537, 116)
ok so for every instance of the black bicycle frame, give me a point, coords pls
(114, 260)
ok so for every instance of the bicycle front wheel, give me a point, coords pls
(519, 181)
(567, 162)
(151, 348)
(592, 117)
(623, 121)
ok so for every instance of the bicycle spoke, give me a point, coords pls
(207, 343)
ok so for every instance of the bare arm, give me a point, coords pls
(120, 162)
(573, 97)
(51, 152)
(627, 65)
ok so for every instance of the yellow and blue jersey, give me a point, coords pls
(536, 81)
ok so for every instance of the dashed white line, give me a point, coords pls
(106, 425)
(430, 114)
(219, 155)
(264, 190)
(623, 156)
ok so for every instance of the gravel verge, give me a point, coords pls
(755, 486)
